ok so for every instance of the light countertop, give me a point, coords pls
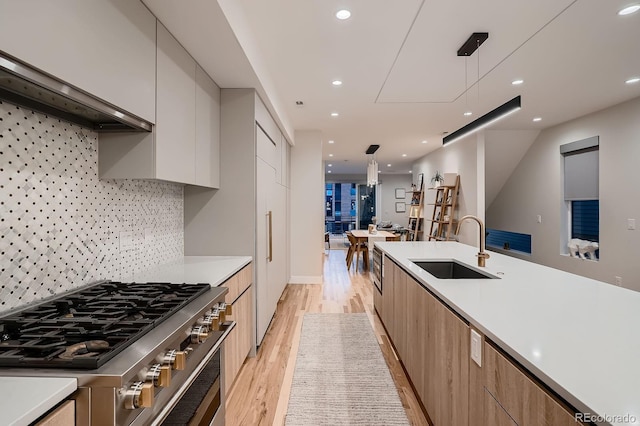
(577, 335)
(213, 270)
(24, 399)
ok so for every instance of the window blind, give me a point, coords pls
(581, 172)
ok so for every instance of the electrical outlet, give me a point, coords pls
(631, 224)
(126, 240)
(476, 347)
(618, 281)
(539, 219)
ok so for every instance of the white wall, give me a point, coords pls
(307, 208)
(460, 157)
(535, 189)
(387, 209)
(504, 151)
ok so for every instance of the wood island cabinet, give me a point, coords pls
(433, 344)
(508, 390)
(399, 323)
(386, 310)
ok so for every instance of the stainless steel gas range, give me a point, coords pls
(143, 354)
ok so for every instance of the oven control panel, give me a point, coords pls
(174, 364)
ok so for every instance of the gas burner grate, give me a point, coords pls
(115, 314)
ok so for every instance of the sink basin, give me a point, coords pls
(450, 270)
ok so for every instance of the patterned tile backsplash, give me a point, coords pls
(61, 227)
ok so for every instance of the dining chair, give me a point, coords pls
(351, 249)
(356, 247)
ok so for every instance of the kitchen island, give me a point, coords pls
(574, 337)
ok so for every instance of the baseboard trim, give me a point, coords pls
(306, 279)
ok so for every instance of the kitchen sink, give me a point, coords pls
(450, 270)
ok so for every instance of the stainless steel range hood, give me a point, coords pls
(29, 87)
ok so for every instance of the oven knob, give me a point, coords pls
(153, 373)
(215, 319)
(164, 380)
(226, 308)
(169, 358)
(159, 375)
(208, 320)
(181, 360)
(215, 324)
(199, 334)
(139, 394)
(222, 311)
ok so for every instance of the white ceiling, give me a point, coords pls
(403, 82)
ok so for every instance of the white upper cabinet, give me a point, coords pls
(176, 111)
(106, 48)
(184, 146)
(207, 131)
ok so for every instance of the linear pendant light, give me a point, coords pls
(372, 166)
(489, 118)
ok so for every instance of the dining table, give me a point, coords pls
(363, 235)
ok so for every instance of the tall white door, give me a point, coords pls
(265, 248)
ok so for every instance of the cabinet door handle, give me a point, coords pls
(270, 231)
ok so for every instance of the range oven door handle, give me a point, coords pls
(185, 386)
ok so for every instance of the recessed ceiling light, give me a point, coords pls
(328, 171)
(410, 171)
(468, 113)
(424, 141)
(404, 155)
(336, 83)
(537, 119)
(517, 82)
(330, 155)
(331, 141)
(343, 14)
(334, 114)
(388, 165)
(379, 171)
(629, 10)
(633, 80)
(329, 165)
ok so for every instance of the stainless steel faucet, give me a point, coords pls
(482, 255)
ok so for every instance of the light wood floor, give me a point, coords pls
(261, 392)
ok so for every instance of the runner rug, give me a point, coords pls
(341, 377)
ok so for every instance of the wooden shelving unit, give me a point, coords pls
(444, 208)
(416, 225)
